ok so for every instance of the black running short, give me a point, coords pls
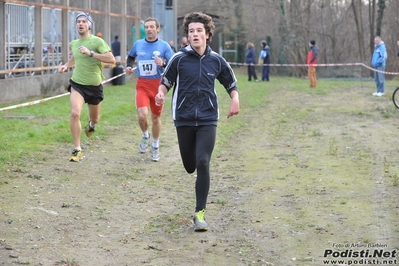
(92, 94)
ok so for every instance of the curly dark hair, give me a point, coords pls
(201, 18)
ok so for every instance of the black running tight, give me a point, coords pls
(196, 146)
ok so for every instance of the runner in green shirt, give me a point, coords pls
(87, 55)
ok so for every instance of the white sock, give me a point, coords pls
(91, 125)
(155, 143)
(78, 148)
(146, 134)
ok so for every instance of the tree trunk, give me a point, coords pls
(371, 24)
(380, 16)
(357, 11)
(332, 32)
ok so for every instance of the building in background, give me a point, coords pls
(165, 12)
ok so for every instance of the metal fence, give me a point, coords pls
(51, 27)
(20, 28)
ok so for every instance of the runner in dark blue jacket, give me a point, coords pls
(193, 72)
(194, 97)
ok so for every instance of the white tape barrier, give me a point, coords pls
(231, 63)
(319, 65)
(54, 97)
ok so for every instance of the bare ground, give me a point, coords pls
(308, 172)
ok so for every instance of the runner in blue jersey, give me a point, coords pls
(151, 55)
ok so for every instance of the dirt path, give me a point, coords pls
(305, 173)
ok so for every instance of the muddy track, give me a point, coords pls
(304, 173)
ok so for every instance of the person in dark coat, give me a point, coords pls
(116, 49)
(265, 56)
(250, 61)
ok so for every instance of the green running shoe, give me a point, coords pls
(199, 221)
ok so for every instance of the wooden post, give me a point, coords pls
(38, 32)
(3, 40)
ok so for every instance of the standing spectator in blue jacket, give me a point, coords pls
(192, 72)
(265, 57)
(250, 61)
(378, 61)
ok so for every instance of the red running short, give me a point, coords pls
(146, 90)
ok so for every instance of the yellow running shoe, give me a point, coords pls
(77, 155)
(89, 130)
(199, 221)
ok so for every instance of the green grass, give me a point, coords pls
(49, 127)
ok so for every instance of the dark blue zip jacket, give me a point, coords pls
(194, 99)
(250, 56)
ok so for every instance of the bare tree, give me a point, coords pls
(380, 16)
(357, 11)
(344, 30)
(372, 4)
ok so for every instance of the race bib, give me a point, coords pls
(147, 68)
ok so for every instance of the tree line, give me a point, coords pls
(344, 30)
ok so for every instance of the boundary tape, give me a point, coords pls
(320, 65)
(54, 97)
(231, 63)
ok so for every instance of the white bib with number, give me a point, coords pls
(147, 68)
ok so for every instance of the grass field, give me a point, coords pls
(47, 123)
